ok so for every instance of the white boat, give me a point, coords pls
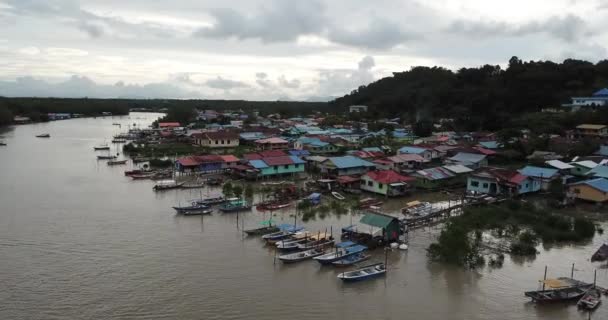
(343, 250)
(366, 272)
(167, 185)
(302, 255)
(337, 195)
(292, 242)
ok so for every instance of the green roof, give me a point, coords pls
(377, 220)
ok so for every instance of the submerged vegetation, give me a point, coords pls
(523, 225)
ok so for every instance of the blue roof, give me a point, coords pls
(603, 150)
(599, 184)
(414, 150)
(258, 164)
(537, 172)
(468, 158)
(299, 152)
(296, 160)
(601, 93)
(599, 171)
(489, 144)
(350, 162)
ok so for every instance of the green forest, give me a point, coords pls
(483, 98)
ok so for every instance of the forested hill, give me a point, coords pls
(484, 97)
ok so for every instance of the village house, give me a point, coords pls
(385, 182)
(229, 161)
(359, 108)
(200, 164)
(315, 146)
(598, 99)
(217, 139)
(278, 166)
(582, 168)
(590, 131)
(347, 165)
(471, 160)
(426, 153)
(601, 171)
(272, 144)
(595, 190)
(433, 178)
(495, 181)
(542, 175)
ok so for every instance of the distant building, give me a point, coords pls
(386, 182)
(359, 108)
(595, 190)
(217, 139)
(272, 144)
(590, 131)
(598, 99)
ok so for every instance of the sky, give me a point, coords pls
(311, 50)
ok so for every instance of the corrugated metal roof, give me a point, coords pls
(414, 150)
(599, 184)
(387, 176)
(468, 157)
(377, 220)
(458, 168)
(258, 164)
(537, 172)
(278, 161)
(489, 144)
(591, 126)
(599, 171)
(587, 164)
(350, 162)
(296, 160)
(559, 164)
(437, 173)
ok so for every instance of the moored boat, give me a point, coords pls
(337, 195)
(367, 272)
(350, 260)
(302, 255)
(116, 162)
(101, 147)
(235, 205)
(292, 242)
(193, 185)
(142, 176)
(343, 250)
(272, 205)
(285, 231)
(211, 200)
(2, 144)
(591, 299)
(193, 209)
(108, 157)
(560, 289)
(369, 202)
(44, 135)
(266, 228)
(119, 141)
(166, 185)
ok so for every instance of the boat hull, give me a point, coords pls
(364, 273)
(261, 231)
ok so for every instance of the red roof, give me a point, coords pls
(383, 161)
(229, 158)
(188, 162)
(252, 156)
(485, 151)
(209, 158)
(222, 135)
(278, 161)
(347, 179)
(518, 178)
(388, 177)
(272, 153)
(168, 124)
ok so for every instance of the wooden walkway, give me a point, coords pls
(443, 214)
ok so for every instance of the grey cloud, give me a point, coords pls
(291, 84)
(92, 29)
(378, 34)
(224, 84)
(261, 78)
(340, 81)
(567, 28)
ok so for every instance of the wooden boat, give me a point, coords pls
(301, 256)
(350, 260)
(291, 243)
(142, 176)
(343, 250)
(337, 195)
(167, 185)
(119, 141)
(367, 272)
(214, 181)
(369, 202)
(129, 173)
(601, 254)
(211, 200)
(286, 230)
(44, 135)
(116, 162)
(101, 147)
(108, 157)
(235, 205)
(266, 228)
(323, 243)
(193, 185)
(193, 209)
(2, 144)
(560, 289)
(272, 205)
(591, 299)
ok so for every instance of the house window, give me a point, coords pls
(370, 183)
(286, 166)
(297, 166)
(380, 186)
(485, 185)
(222, 141)
(577, 190)
(217, 142)
(526, 185)
(276, 167)
(474, 183)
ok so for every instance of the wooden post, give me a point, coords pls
(544, 278)
(572, 272)
(594, 277)
(386, 257)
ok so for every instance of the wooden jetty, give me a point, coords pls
(443, 214)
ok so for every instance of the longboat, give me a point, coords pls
(560, 289)
(367, 272)
(167, 185)
(266, 228)
(116, 162)
(44, 135)
(343, 250)
(291, 243)
(211, 200)
(302, 255)
(194, 209)
(101, 147)
(351, 260)
(108, 157)
(272, 205)
(286, 230)
(234, 205)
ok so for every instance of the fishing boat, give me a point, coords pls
(129, 173)
(2, 144)
(337, 195)
(167, 185)
(142, 176)
(101, 147)
(272, 205)
(235, 205)
(108, 157)
(193, 209)
(193, 185)
(591, 299)
(286, 230)
(560, 289)
(302, 255)
(291, 243)
(350, 260)
(266, 228)
(367, 272)
(343, 250)
(44, 135)
(116, 162)
(316, 240)
(369, 202)
(214, 181)
(211, 200)
(119, 141)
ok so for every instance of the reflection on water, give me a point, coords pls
(79, 240)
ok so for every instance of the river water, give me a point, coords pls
(79, 240)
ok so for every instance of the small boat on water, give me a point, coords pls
(167, 185)
(292, 242)
(119, 141)
(211, 200)
(44, 135)
(302, 255)
(193, 185)
(323, 243)
(193, 209)
(368, 203)
(272, 205)
(266, 228)
(116, 162)
(101, 147)
(108, 157)
(142, 176)
(2, 144)
(337, 195)
(286, 230)
(367, 272)
(235, 205)
(214, 181)
(591, 299)
(343, 250)
(560, 289)
(350, 260)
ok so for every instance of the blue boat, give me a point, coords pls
(195, 208)
(343, 250)
(235, 205)
(286, 230)
(350, 260)
(367, 272)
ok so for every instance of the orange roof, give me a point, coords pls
(168, 124)
(229, 158)
(388, 176)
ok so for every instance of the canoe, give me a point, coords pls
(343, 250)
(193, 209)
(212, 200)
(119, 141)
(116, 162)
(591, 299)
(194, 185)
(44, 135)
(286, 230)
(262, 230)
(101, 148)
(272, 205)
(301, 256)
(350, 260)
(142, 176)
(367, 272)
(106, 157)
(337, 196)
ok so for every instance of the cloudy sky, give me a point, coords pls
(273, 49)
